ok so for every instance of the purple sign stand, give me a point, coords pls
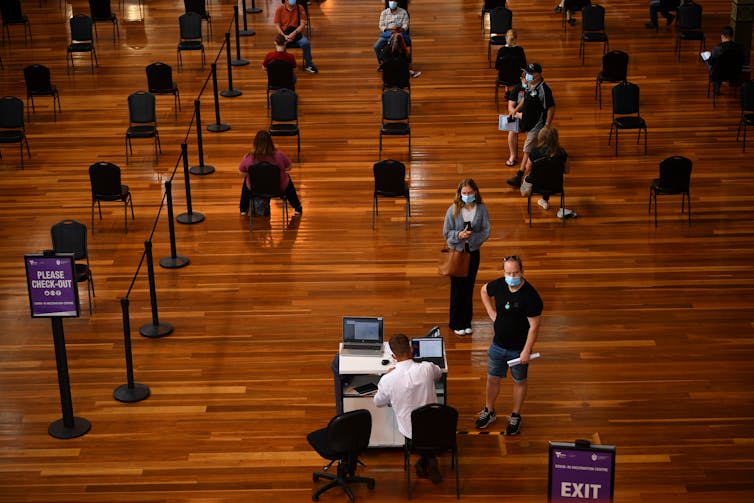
(581, 472)
(53, 294)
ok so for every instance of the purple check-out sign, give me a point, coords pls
(52, 286)
(581, 473)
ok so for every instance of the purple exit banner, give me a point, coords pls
(581, 472)
(52, 286)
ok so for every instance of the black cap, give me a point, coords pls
(533, 68)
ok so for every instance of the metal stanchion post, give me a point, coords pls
(253, 9)
(131, 391)
(201, 169)
(174, 261)
(230, 92)
(247, 32)
(239, 61)
(191, 216)
(217, 127)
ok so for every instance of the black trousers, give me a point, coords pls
(462, 295)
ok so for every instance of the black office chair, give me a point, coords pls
(343, 440)
(280, 76)
(69, 236)
(593, 28)
(265, 184)
(396, 105)
(160, 81)
(396, 73)
(626, 113)
(546, 177)
(12, 129)
(10, 10)
(142, 121)
(82, 40)
(675, 178)
(190, 25)
(284, 116)
(689, 26)
(747, 109)
(106, 187)
(102, 12)
(200, 7)
(614, 69)
(727, 68)
(509, 62)
(487, 7)
(38, 83)
(501, 20)
(390, 181)
(433, 428)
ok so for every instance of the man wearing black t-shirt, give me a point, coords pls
(515, 314)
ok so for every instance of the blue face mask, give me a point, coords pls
(291, 2)
(392, 5)
(529, 77)
(468, 199)
(513, 280)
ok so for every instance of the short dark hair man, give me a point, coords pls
(407, 387)
(516, 315)
(726, 59)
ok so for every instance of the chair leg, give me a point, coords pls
(374, 209)
(528, 207)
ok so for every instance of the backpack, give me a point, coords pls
(531, 112)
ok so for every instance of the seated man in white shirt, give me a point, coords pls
(407, 387)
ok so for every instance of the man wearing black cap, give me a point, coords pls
(535, 111)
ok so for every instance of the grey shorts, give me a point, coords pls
(497, 363)
(531, 140)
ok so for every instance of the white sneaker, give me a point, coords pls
(566, 213)
(468, 331)
(459, 332)
(544, 204)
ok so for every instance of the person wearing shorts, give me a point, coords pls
(515, 308)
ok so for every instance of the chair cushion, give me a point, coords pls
(395, 128)
(691, 35)
(284, 129)
(595, 36)
(81, 47)
(497, 40)
(631, 122)
(190, 45)
(141, 131)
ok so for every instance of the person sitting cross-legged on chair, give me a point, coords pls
(407, 387)
(393, 20)
(290, 20)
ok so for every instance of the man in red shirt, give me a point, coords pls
(290, 19)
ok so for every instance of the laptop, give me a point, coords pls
(362, 336)
(429, 349)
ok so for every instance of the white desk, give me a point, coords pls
(365, 369)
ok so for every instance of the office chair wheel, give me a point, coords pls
(315, 478)
(370, 484)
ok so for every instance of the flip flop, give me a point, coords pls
(511, 163)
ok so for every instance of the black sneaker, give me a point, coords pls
(433, 469)
(514, 424)
(515, 181)
(311, 69)
(485, 418)
(421, 469)
(651, 26)
(557, 9)
(669, 19)
(572, 22)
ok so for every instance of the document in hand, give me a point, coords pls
(504, 124)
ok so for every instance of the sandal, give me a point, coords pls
(511, 163)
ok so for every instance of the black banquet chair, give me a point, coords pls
(107, 187)
(501, 20)
(38, 83)
(547, 176)
(487, 7)
(626, 113)
(675, 178)
(284, 116)
(509, 62)
(396, 105)
(82, 40)
(433, 428)
(12, 129)
(593, 28)
(10, 10)
(614, 69)
(69, 236)
(342, 441)
(190, 25)
(396, 73)
(200, 7)
(160, 81)
(390, 181)
(280, 76)
(689, 26)
(747, 110)
(102, 12)
(142, 121)
(265, 184)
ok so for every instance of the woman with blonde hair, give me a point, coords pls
(548, 146)
(509, 62)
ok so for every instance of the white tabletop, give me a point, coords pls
(371, 364)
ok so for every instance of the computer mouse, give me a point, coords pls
(385, 362)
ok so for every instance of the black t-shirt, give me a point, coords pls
(536, 153)
(513, 311)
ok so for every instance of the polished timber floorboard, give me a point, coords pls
(647, 335)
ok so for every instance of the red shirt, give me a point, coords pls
(279, 56)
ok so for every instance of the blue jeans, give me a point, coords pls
(383, 40)
(497, 363)
(305, 46)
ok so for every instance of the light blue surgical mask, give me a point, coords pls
(291, 2)
(529, 77)
(468, 199)
(392, 5)
(513, 280)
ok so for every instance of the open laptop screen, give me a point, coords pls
(430, 347)
(362, 329)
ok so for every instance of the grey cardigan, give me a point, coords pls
(480, 227)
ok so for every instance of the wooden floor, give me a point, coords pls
(647, 338)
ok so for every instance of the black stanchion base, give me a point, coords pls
(174, 263)
(190, 218)
(202, 170)
(239, 62)
(218, 128)
(230, 93)
(253, 10)
(58, 429)
(136, 394)
(154, 331)
(247, 33)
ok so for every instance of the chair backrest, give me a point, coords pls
(160, 77)
(280, 74)
(265, 179)
(547, 175)
(593, 18)
(626, 99)
(198, 6)
(747, 96)
(690, 16)
(509, 62)
(728, 66)
(11, 11)
(190, 25)
(675, 174)
(501, 20)
(389, 178)
(493, 4)
(69, 236)
(395, 72)
(37, 79)
(348, 433)
(105, 180)
(142, 108)
(11, 113)
(395, 104)
(433, 428)
(615, 66)
(100, 9)
(81, 28)
(284, 105)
